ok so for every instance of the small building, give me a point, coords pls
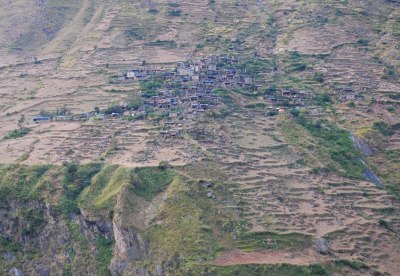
(248, 81)
(212, 67)
(185, 71)
(174, 132)
(39, 119)
(208, 82)
(130, 74)
(115, 115)
(164, 103)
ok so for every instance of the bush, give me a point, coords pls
(298, 67)
(149, 88)
(272, 113)
(384, 224)
(270, 90)
(323, 98)
(174, 12)
(363, 42)
(351, 104)
(319, 77)
(104, 254)
(163, 165)
(256, 105)
(295, 112)
(17, 133)
(383, 128)
(356, 265)
(174, 5)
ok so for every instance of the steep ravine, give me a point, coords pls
(47, 243)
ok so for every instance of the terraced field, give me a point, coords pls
(283, 186)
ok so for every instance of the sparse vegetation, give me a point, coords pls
(104, 255)
(334, 147)
(149, 88)
(151, 181)
(319, 77)
(383, 128)
(17, 133)
(174, 12)
(270, 240)
(272, 270)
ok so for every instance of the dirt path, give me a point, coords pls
(305, 257)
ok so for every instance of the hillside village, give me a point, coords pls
(214, 137)
(178, 94)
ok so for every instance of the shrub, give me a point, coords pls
(270, 90)
(17, 133)
(295, 112)
(174, 12)
(323, 98)
(272, 113)
(163, 165)
(153, 11)
(104, 254)
(149, 88)
(356, 265)
(319, 77)
(363, 42)
(256, 105)
(297, 67)
(383, 128)
(174, 5)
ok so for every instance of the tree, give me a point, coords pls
(21, 122)
(163, 165)
(36, 61)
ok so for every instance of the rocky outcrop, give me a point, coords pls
(91, 225)
(15, 272)
(129, 246)
(362, 146)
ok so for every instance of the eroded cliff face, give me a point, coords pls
(69, 236)
(34, 238)
(102, 220)
(42, 241)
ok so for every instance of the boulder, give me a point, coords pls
(322, 246)
(15, 272)
(205, 184)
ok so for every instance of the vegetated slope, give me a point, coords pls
(106, 219)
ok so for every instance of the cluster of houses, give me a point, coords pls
(75, 117)
(345, 94)
(190, 86)
(293, 98)
(211, 72)
(289, 97)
